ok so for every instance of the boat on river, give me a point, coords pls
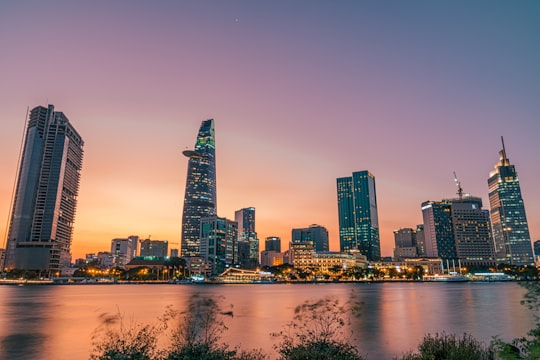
(452, 277)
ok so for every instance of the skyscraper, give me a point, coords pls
(246, 233)
(458, 231)
(200, 195)
(358, 219)
(45, 201)
(314, 233)
(508, 219)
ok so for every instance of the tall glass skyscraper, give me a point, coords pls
(508, 219)
(200, 195)
(45, 201)
(358, 219)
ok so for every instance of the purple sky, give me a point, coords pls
(302, 92)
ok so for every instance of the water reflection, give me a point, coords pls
(396, 317)
(57, 322)
(23, 325)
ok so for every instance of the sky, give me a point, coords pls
(302, 92)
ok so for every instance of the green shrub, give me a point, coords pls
(527, 347)
(450, 347)
(196, 336)
(115, 341)
(317, 332)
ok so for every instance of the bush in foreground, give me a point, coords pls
(317, 332)
(113, 340)
(195, 336)
(527, 347)
(450, 347)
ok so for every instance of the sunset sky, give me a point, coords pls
(302, 92)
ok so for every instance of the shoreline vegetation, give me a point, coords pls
(318, 330)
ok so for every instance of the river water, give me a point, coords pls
(57, 322)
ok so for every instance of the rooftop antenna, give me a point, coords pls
(503, 153)
(458, 184)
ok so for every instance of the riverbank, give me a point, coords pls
(95, 281)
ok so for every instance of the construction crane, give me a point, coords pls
(458, 184)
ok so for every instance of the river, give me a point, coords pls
(46, 322)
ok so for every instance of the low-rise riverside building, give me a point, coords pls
(304, 257)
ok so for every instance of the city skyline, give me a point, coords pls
(302, 93)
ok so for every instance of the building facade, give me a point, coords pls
(438, 231)
(458, 231)
(420, 240)
(154, 248)
(536, 248)
(218, 242)
(314, 233)
(409, 243)
(272, 243)
(124, 249)
(271, 258)
(508, 218)
(358, 218)
(246, 233)
(200, 195)
(45, 202)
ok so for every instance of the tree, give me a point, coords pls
(336, 270)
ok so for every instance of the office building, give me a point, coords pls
(314, 233)
(124, 249)
(302, 255)
(271, 258)
(272, 243)
(536, 248)
(218, 242)
(508, 219)
(245, 219)
(358, 219)
(439, 236)
(420, 240)
(405, 244)
(45, 202)
(154, 248)
(200, 194)
(458, 231)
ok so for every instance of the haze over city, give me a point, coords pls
(302, 93)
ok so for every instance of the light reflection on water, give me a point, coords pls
(57, 322)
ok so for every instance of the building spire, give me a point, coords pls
(504, 159)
